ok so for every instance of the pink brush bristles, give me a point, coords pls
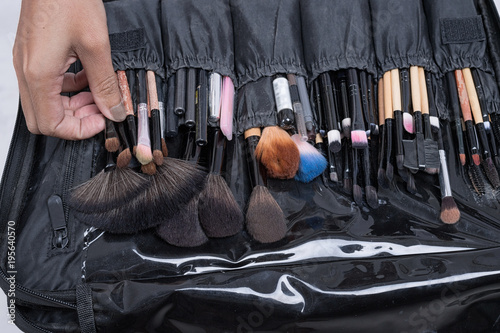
(408, 122)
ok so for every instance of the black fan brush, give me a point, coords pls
(220, 214)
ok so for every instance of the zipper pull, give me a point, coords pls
(56, 213)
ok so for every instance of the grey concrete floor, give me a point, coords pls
(9, 15)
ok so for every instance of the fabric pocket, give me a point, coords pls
(336, 35)
(267, 38)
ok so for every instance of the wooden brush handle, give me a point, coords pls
(424, 98)
(415, 89)
(396, 90)
(125, 92)
(473, 98)
(387, 95)
(463, 96)
(152, 91)
(381, 108)
(255, 131)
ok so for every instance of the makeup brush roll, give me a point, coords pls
(342, 266)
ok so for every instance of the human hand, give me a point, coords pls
(51, 35)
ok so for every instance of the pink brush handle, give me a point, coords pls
(227, 104)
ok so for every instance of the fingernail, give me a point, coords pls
(118, 112)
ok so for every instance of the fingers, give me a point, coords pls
(74, 82)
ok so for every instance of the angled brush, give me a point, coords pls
(265, 220)
(488, 165)
(220, 215)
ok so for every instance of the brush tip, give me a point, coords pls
(334, 141)
(348, 185)
(158, 157)
(400, 161)
(462, 159)
(334, 177)
(476, 159)
(312, 162)
(124, 158)
(278, 153)
(265, 220)
(149, 169)
(112, 144)
(432, 171)
(357, 193)
(382, 179)
(164, 148)
(371, 196)
(491, 173)
(144, 154)
(389, 172)
(359, 139)
(450, 213)
(408, 122)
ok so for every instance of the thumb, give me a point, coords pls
(103, 82)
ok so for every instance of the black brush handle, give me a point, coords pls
(483, 140)
(171, 119)
(328, 101)
(381, 157)
(429, 78)
(189, 115)
(160, 87)
(218, 146)
(364, 91)
(372, 112)
(427, 126)
(191, 151)
(132, 129)
(347, 172)
(155, 130)
(344, 98)
(110, 131)
(389, 133)
(123, 135)
(180, 91)
(471, 137)
(480, 94)
(110, 162)
(417, 116)
(405, 90)
(318, 108)
(398, 127)
(355, 100)
(253, 165)
(202, 108)
(142, 88)
(367, 167)
(455, 106)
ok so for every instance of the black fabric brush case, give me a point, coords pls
(341, 267)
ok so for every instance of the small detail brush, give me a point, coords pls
(112, 142)
(125, 155)
(467, 116)
(455, 105)
(155, 118)
(330, 113)
(265, 220)
(488, 165)
(358, 131)
(144, 154)
(450, 213)
(220, 215)
(163, 121)
(381, 177)
(227, 108)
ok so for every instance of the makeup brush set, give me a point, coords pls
(317, 165)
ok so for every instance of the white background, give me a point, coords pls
(9, 15)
